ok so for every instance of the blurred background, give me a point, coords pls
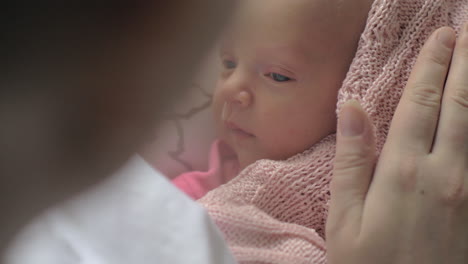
(183, 141)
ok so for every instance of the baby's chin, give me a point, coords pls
(244, 163)
(246, 158)
(248, 154)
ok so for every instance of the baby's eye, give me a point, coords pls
(229, 64)
(279, 78)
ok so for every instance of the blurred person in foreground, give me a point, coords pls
(82, 89)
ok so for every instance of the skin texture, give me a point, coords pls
(91, 93)
(282, 65)
(407, 212)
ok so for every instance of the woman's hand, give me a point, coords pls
(412, 207)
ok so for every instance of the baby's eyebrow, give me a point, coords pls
(225, 42)
(291, 57)
(224, 47)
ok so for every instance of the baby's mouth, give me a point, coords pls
(232, 126)
(237, 130)
(226, 115)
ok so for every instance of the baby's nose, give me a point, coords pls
(242, 98)
(236, 89)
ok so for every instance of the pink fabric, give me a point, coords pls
(223, 166)
(275, 211)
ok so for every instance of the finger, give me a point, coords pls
(416, 117)
(452, 136)
(353, 167)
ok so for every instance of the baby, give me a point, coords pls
(283, 62)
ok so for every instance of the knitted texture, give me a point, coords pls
(275, 211)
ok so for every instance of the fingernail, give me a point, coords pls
(446, 37)
(351, 121)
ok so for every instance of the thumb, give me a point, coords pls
(353, 168)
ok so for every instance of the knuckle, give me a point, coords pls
(462, 50)
(454, 191)
(460, 97)
(350, 160)
(463, 53)
(408, 173)
(456, 133)
(453, 185)
(425, 94)
(440, 57)
(457, 136)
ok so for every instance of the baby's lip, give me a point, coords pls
(233, 126)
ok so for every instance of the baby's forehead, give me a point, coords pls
(286, 23)
(277, 10)
(313, 24)
(299, 19)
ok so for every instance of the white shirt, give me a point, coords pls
(136, 216)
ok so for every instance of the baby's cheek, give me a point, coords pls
(294, 139)
(216, 108)
(292, 132)
(278, 143)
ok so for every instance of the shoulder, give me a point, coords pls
(137, 216)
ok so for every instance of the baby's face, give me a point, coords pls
(282, 62)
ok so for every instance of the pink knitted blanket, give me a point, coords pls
(275, 211)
